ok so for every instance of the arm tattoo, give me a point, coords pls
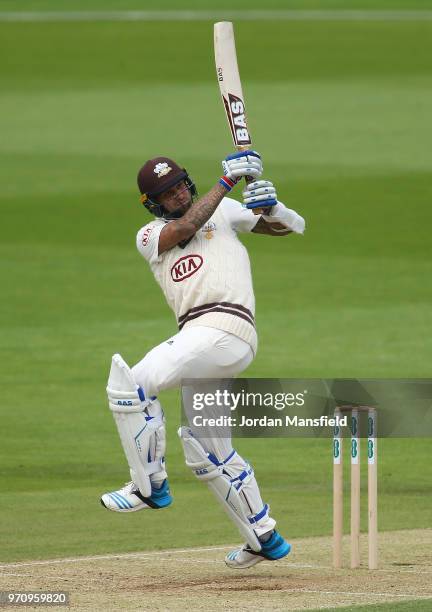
(181, 231)
(271, 229)
(202, 210)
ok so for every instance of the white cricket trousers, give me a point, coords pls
(195, 352)
(203, 352)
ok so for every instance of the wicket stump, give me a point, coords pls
(355, 488)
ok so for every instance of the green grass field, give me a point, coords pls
(104, 5)
(340, 111)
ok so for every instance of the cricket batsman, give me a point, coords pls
(204, 271)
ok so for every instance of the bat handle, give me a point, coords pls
(250, 179)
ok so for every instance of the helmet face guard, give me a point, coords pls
(158, 175)
(157, 209)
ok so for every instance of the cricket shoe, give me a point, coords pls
(130, 498)
(275, 548)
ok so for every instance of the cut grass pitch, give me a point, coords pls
(198, 578)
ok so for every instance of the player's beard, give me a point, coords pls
(180, 210)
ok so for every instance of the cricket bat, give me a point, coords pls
(230, 86)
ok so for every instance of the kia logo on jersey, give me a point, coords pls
(185, 267)
(146, 235)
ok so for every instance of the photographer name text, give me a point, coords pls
(266, 421)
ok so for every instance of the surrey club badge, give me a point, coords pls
(162, 169)
(208, 229)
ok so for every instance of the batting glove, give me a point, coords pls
(259, 194)
(243, 163)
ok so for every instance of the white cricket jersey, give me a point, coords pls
(209, 281)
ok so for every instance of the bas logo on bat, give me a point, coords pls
(238, 120)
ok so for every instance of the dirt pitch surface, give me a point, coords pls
(198, 578)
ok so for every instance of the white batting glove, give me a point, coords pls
(243, 163)
(259, 194)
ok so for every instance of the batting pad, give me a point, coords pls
(140, 434)
(222, 486)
